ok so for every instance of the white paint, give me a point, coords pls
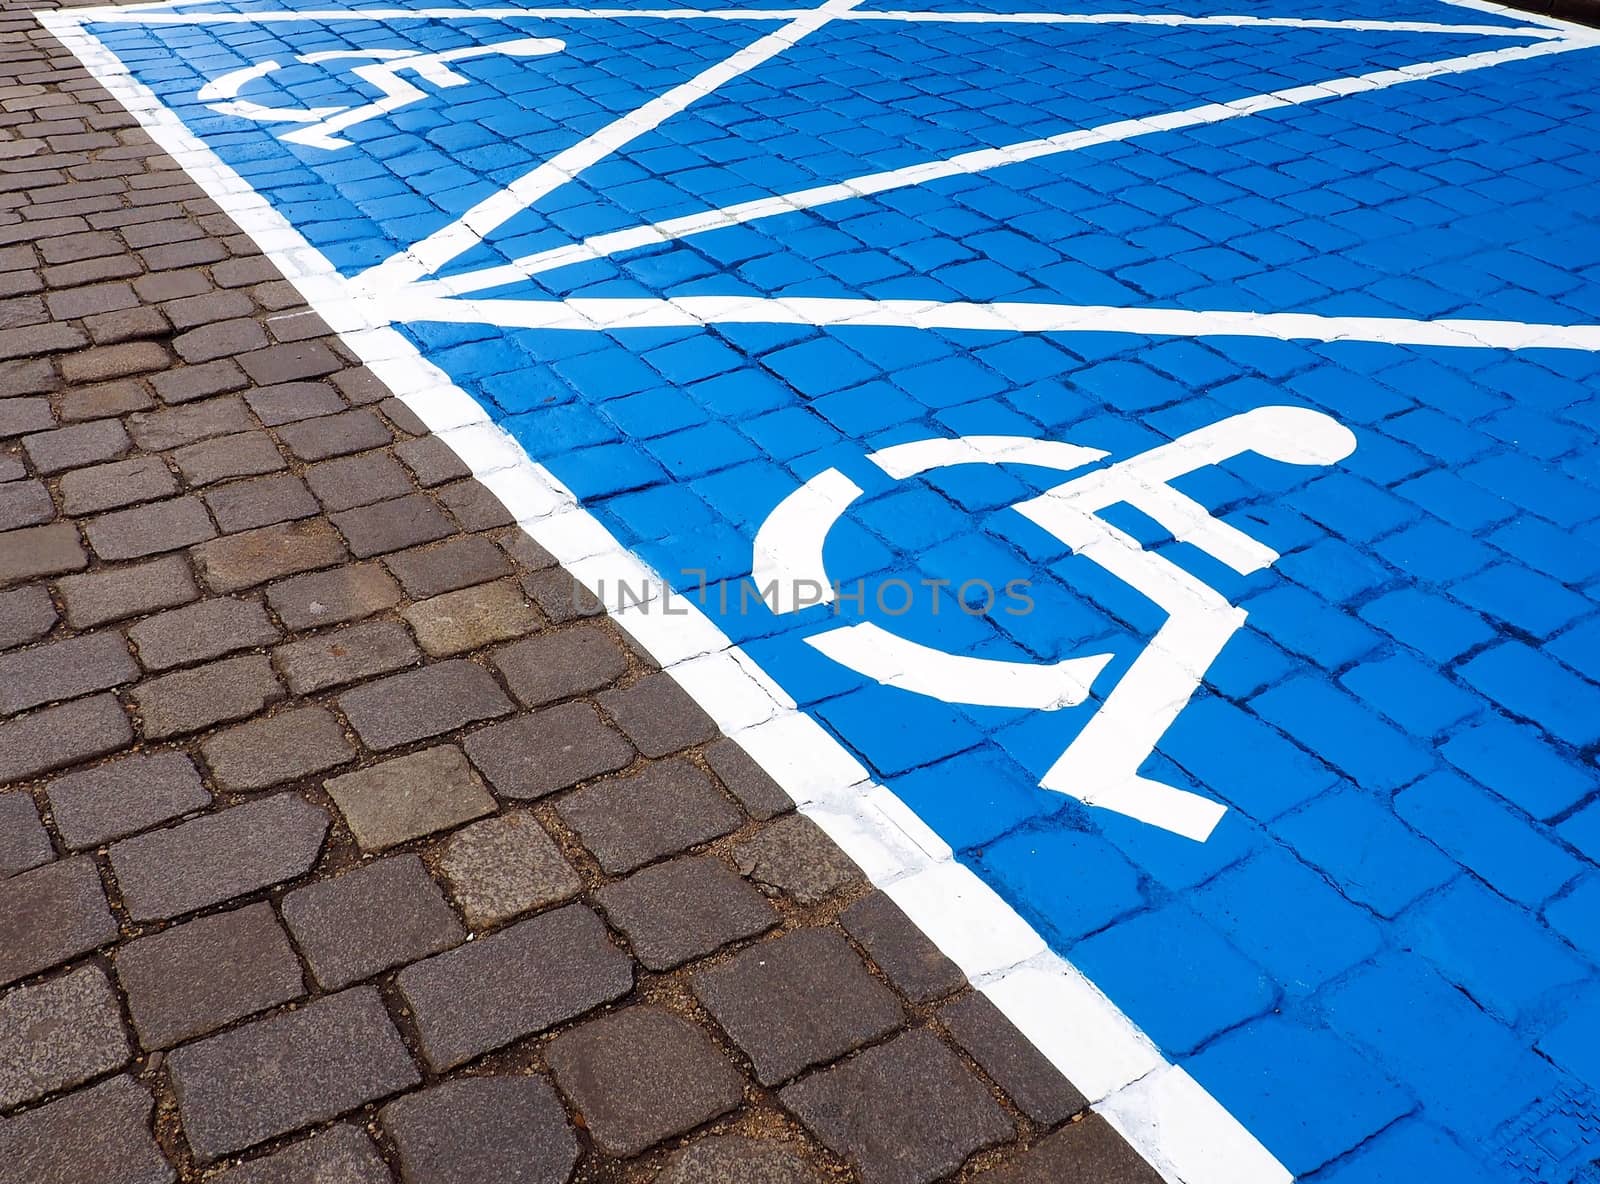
(787, 553)
(979, 933)
(919, 456)
(1169, 1110)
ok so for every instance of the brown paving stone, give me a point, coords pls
(36, 551)
(99, 402)
(560, 597)
(422, 703)
(247, 454)
(906, 1112)
(504, 866)
(59, 1033)
(800, 1000)
(114, 361)
(538, 754)
(793, 856)
(658, 715)
(1016, 1066)
(393, 525)
(561, 664)
(54, 737)
(286, 363)
(333, 597)
(161, 431)
(916, 967)
(26, 614)
(642, 1075)
(339, 1155)
(265, 501)
(684, 909)
(629, 821)
(63, 669)
(410, 796)
(217, 857)
(289, 401)
(736, 1159)
(483, 1130)
(99, 1135)
(1087, 1150)
(354, 481)
(124, 796)
(431, 461)
(24, 842)
(150, 529)
(287, 1071)
(220, 339)
(194, 978)
(25, 503)
(77, 445)
(517, 981)
(195, 699)
(335, 435)
(242, 561)
(209, 629)
(50, 914)
(21, 416)
(471, 618)
(121, 483)
(185, 384)
(281, 748)
(99, 597)
(472, 505)
(758, 793)
(380, 915)
(345, 656)
(455, 563)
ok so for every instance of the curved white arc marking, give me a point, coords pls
(788, 548)
(918, 456)
(228, 85)
(894, 661)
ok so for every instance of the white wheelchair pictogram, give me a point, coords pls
(1100, 767)
(382, 71)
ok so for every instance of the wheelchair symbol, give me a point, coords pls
(1101, 765)
(382, 72)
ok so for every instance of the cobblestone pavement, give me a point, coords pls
(340, 841)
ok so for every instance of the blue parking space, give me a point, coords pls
(1165, 452)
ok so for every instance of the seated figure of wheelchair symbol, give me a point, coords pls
(1101, 765)
(382, 71)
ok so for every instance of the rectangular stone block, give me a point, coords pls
(423, 703)
(24, 842)
(114, 594)
(345, 656)
(348, 593)
(192, 700)
(49, 915)
(151, 529)
(59, 1033)
(124, 796)
(54, 737)
(201, 631)
(36, 551)
(64, 669)
(121, 483)
(240, 561)
(410, 796)
(26, 614)
(285, 747)
(100, 1135)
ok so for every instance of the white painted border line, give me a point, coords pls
(1183, 1132)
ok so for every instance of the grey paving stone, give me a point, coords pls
(64, 669)
(431, 460)
(289, 401)
(174, 427)
(114, 361)
(918, 969)
(333, 597)
(483, 1130)
(21, 416)
(24, 843)
(262, 501)
(346, 655)
(736, 1159)
(561, 664)
(95, 1136)
(413, 706)
(642, 1075)
(122, 483)
(248, 454)
(123, 796)
(103, 401)
(100, 597)
(287, 1071)
(25, 503)
(338, 1155)
(284, 747)
(76, 446)
(471, 618)
(800, 1000)
(202, 631)
(193, 978)
(55, 737)
(352, 481)
(377, 916)
(503, 866)
(219, 856)
(185, 384)
(240, 561)
(36, 551)
(758, 793)
(473, 505)
(50, 914)
(150, 529)
(59, 1033)
(220, 339)
(335, 435)
(195, 699)
(658, 715)
(410, 796)
(393, 525)
(795, 857)
(455, 563)
(26, 614)
(667, 807)
(1087, 1150)
(1006, 1055)
(538, 754)
(514, 982)
(560, 597)
(684, 909)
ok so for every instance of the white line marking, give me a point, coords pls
(1051, 1002)
(788, 548)
(967, 163)
(425, 257)
(687, 311)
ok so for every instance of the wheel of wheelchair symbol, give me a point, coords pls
(1100, 766)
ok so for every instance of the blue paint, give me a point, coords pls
(1384, 959)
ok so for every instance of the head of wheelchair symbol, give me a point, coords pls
(382, 70)
(1101, 765)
